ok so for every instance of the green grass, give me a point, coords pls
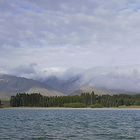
(97, 105)
(132, 106)
(75, 105)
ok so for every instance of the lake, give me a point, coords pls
(69, 124)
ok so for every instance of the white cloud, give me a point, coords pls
(62, 34)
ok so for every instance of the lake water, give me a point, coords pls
(69, 124)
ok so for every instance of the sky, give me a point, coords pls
(40, 37)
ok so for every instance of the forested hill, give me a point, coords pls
(83, 100)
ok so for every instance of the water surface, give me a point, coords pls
(69, 124)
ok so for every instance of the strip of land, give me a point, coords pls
(64, 108)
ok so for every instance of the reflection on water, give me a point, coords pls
(69, 124)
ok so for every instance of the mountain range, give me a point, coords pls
(10, 85)
(113, 80)
(101, 81)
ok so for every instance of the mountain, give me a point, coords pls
(102, 80)
(10, 85)
(45, 92)
(88, 89)
(75, 85)
(64, 85)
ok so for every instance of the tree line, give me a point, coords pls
(83, 100)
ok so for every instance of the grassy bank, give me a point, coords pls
(132, 106)
(5, 103)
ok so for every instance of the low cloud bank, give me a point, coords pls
(125, 78)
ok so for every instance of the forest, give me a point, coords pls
(83, 100)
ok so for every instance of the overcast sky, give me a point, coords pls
(55, 35)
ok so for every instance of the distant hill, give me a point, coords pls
(88, 89)
(10, 85)
(76, 85)
(63, 85)
(45, 92)
(101, 81)
(97, 81)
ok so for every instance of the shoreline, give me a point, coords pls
(65, 108)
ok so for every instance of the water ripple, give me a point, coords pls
(70, 124)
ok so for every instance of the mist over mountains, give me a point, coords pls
(11, 85)
(71, 82)
(112, 79)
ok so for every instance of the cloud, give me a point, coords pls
(28, 71)
(59, 35)
(111, 79)
(25, 69)
(48, 23)
(126, 78)
(33, 71)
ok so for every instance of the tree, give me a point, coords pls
(88, 99)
